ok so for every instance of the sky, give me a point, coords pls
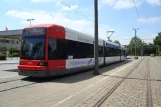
(113, 15)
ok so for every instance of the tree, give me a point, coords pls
(117, 42)
(131, 46)
(157, 42)
(141, 47)
(149, 49)
(14, 52)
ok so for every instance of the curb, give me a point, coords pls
(9, 63)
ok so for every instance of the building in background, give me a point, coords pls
(10, 39)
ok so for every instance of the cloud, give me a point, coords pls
(45, 17)
(59, 17)
(109, 2)
(122, 4)
(150, 20)
(154, 2)
(62, 5)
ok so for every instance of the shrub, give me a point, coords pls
(13, 50)
(2, 56)
(15, 54)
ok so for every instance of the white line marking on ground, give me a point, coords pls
(60, 102)
(9, 76)
(114, 72)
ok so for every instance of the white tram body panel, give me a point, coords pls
(81, 37)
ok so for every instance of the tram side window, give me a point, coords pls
(107, 52)
(110, 52)
(118, 52)
(71, 47)
(90, 51)
(85, 50)
(56, 49)
(115, 52)
(79, 49)
(100, 51)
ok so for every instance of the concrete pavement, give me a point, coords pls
(14, 60)
(8, 72)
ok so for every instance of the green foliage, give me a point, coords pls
(149, 49)
(131, 46)
(157, 41)
(2, 55)
(14, 52)
(117, 42)
(141, 47)
(159, 50)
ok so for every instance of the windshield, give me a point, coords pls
(33, 44)
(33, 48)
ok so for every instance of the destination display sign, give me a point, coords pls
(34, 32)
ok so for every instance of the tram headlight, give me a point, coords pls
(20, 63)
(42, 64)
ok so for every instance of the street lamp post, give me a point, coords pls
(135, 39)
(96, 72)
(30, 20)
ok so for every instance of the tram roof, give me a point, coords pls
(43, 25)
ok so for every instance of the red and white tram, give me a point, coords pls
(50, 49)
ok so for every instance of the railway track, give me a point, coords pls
(24, 82)
(3, 82)
(103, 99)
(21, 82)
(14, 84)
(149, 98)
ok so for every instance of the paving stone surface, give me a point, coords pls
(156, 93)
(155, 73)
(133, 91)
